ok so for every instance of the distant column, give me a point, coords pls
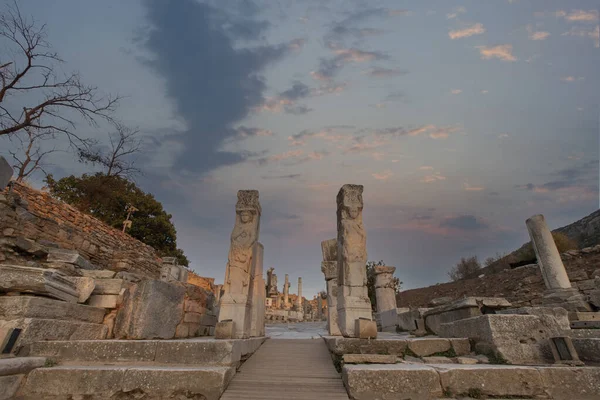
(299, 298)
(354, 306)
(318, 304)
(286, 292)
(329, 269)
(386, 298)
(559, 291)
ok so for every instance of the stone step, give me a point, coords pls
(205, 351)
(418, 381)
(400, 346)
(123, 381)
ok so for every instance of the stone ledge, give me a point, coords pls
(418, 381)
(15, 307)
(101, 382)
(20, 365)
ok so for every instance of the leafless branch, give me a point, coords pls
(30, 157)
(59, 101)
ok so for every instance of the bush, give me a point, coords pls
(466, 268)
(562, 241)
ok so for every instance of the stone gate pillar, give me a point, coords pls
(354, 306)
(257, 294)
(386, 298)
(559, 291)
(235, 303)
(329, 269)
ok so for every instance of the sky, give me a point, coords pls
(460, 118)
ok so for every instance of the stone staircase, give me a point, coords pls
(198, 368)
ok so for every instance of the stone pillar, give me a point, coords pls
(286, 292)
(329, 269)
(386, 298)
(558, 287)
(353, 298)
(319, 311)
(299, 298)
(6, 172)
(235, 302)
(257, 293)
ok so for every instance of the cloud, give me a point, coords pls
(290, 176)
(484, 91)
(198, 33)
(296, 44)
(456, 12)
(571, 78)
(583, 177)
(470, 188)
(456, 91)
(464, 223)
(395, 96)
(383, 176)
(329, 134)
(245, 132)
(426, 168)
(593, 34)
(503, 136)
(286, 100)
(476, 29)
(433, 178)
(502, 52)
(329, 67)
(379, 72)
(433, 131)
(539, 35)
(580, 15)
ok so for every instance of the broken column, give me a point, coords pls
(299, 298)
(46, 282)
(286, 292)
(354, 306)
(329, 269)
(558, 287)
(257, 293)
(386, 297)
(235, 302)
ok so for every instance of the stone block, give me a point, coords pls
(70, 257)
(151, 310)
(31, 247)
(519, 339)
(6, 172)
(365, 329)
(47, 282)
(581, 383)
(577, 275)
(408, 320)
(194, 306)
(202, 383)
(10, 384)
(428, 346)
(491, 380)
(440, 301)
(437, 360)
(462, 309)
(369, 359)
(225, 329)
(587, 348)
(588, 284)
(20, 365)
(108, 286)
(98, 273)
(36, 329)
(96, 351)
(85, 286)
(585, 325)
(199, 351)
(391, 382)
(340, 346)
(466, 360)
(584, 316)
(103, 300)
(462, 347)
(84, 382)
(42, 307)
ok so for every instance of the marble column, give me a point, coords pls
(354, 306)
(235, 301)
(558, 287)
(286, 292)
(386, 298)
(318, 303)
(257, 293)
(299, 298)
(329, 269)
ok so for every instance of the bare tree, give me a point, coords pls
(466, 268)
(32, 93)
(30, 157)
(124, 143)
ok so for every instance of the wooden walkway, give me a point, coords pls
(291, 369)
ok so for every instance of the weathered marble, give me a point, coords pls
(235, 300)
(386, 297)
(47, 282)
(329, 269)
(353, 298)
(6, 172)
(257, 293)
(286, 292)
(299, 298)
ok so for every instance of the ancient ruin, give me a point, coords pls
(236, 303)
(329, 269)
(353, 299)
(386, 298)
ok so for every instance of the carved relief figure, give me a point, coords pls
(243, 238)
(352, 239)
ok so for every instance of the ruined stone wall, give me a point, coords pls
(201, 281)
(521, 286)
(32, 214)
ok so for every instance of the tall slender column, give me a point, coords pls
(299, 298)
(235, 302)
(354, 306)
(286, 292)
(386, 298)
(329, 269)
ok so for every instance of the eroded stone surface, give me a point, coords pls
(47, 282)
(428, 346)
(14, 307)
